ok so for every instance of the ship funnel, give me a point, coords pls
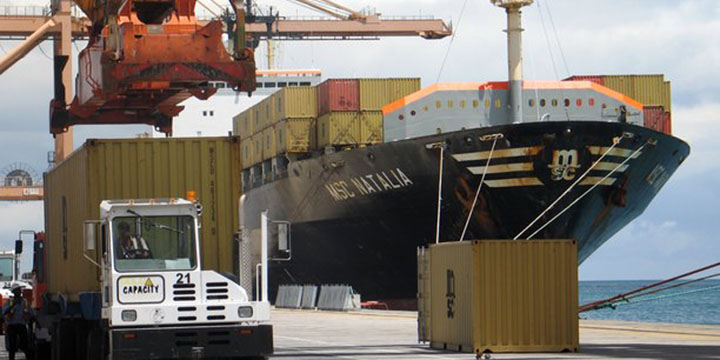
(515, 72)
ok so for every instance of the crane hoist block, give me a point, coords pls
(147, 60)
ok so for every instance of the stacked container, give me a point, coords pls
(294, 130)
(651, 90)
(350, 110)
(299, 120)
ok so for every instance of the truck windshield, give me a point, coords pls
(6, 269)
(143, 243)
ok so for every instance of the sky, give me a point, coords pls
(680, 229)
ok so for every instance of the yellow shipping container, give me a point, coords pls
(296, 136)
(247, 149)
(647, 89)
(376, 93)
(243, 125)
(371, 127)
(257, 150)
(295, 102)
(338, 129)
(502, 296)
(265, 114)
(136, 169)
(269, 143)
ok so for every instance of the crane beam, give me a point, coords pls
(288, 28)
(24, 26)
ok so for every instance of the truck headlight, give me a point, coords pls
(128, 315)
(245, 311)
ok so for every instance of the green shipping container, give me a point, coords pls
(135, 169)
(376, 93)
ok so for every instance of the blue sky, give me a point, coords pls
(680, 229)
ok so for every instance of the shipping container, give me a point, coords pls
(376, 93)
(654, 118)
(338, 95)
(243, 124)
(647, 89)
(257, 153)
(501, 296)
(247, 149)
(295, 102)
(265, 114)
(338, 129)
(371, 127)
(269, 143)
(667, 123)
(139, 169)
(296, 136)
(592, 78)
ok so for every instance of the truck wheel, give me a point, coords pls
(95, 345)
(63, 341)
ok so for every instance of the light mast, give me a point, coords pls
(514, 36)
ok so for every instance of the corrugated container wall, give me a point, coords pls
(243, 124)
(256, 142)
(371, 127)
(338, 95)
(504, 296)
(647, 89)
(133, 169)
(269, 143)
(654, 118)
(376, 93)
(338, 129)
(266, 113)
(296, 102)
(296, 136)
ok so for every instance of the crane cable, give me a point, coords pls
(452, 39)
(557, 38)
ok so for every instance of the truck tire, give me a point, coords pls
(63, 340)
(96, 346)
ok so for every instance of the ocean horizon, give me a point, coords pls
(696, 303)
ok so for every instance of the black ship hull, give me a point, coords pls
(358, 216)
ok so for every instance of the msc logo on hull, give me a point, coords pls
(564, 165)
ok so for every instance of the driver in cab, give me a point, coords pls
(130, 246)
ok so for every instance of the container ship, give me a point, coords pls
(368, 170)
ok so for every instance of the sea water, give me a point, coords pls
(701, 307)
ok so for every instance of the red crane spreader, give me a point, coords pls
(143, 59)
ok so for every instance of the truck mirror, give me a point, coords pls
(18, 247)
(283, 236)
(89, 236)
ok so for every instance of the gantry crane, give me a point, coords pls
(144, 57)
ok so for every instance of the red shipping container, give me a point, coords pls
(592, 78)
(667, 123)
(654, 117)
(338, 95)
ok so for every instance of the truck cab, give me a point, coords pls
(9, 274)
(156, 301)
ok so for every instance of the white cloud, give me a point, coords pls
(700, 127)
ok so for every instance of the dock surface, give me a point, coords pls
(372, 334)
(393, 335)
